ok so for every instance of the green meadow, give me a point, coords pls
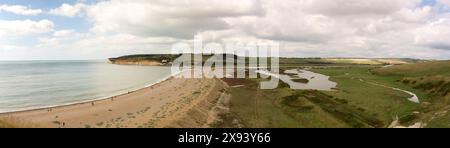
(364, 98)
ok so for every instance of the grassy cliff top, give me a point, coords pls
(146, 57)
(283, 60)
(417, 69)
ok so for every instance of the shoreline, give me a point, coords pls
(169, 102)
(85, 101)
(167, 78)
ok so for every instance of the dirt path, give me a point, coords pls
(414, 97)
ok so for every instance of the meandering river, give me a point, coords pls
(316, 81)
(321, 82)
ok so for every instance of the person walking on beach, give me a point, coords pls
(92, 103)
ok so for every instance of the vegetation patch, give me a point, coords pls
(301, 80)
(341, 110)
(408, 119)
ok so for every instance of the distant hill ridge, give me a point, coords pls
(156, 59)
(166, 59)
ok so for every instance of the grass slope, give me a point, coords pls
(354, 104)
(418, 69)
(434, 79)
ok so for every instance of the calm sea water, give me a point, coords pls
(37, 84)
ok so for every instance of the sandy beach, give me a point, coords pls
(176, 102)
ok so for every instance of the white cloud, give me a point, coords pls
(24, 27)
(414, 15)
(435, 35)
(19, 9)
(63, 33)
(95, 46)
(355, 7)
(368, 28)
(445, 2)
(285, 22)
(68, 10)
(170, 18)
(184, 20)
(307, 28)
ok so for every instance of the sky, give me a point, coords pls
(99, 29)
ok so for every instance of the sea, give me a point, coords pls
(26, 85)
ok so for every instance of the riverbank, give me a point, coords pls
(161, 105)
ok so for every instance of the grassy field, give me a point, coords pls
(353, 104)
(433, 78)
(418, 69)
(440, 121)
(364, 96)
(384, 102)
(265, 108)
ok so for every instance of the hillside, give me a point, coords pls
(144, 59)
(432, 78)
(157, 59)
(166, 59)
(417, 69)
(372, 61)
